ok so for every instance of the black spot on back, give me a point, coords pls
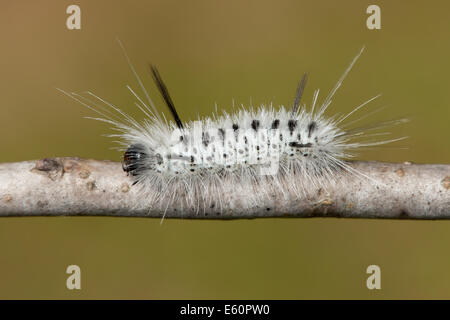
(275, 124)
(255, 125)
(292, 124)
(311, 127)
(205, 138)
(222, 135)
(300, 145)
(235, 126)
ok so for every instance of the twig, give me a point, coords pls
(72, 186)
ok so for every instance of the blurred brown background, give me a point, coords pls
(212, 52)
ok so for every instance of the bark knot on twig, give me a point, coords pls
(446, 182)
(52, 168)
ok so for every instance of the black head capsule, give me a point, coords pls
(133, 159)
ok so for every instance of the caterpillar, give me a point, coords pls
(192, 165)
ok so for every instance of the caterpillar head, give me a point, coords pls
(133, 159)
(138, 159)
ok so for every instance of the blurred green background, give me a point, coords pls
(212, 52)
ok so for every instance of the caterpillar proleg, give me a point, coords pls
(185, 165)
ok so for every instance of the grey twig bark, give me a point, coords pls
(72, 187)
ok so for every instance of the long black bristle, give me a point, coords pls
(165, 94)
(298, 95)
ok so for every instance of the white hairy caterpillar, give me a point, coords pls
(185, 165)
